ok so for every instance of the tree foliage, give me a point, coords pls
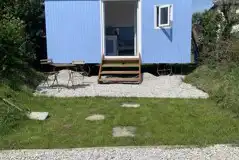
(21, 26)
(216, 43)
(21, 29)
(228, 10)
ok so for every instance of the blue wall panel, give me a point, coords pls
(73, 30)
(167, 45)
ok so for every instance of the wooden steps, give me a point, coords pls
(120, 65)
(113, 80)
(120, 70)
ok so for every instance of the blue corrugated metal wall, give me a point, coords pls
(73, 30)
(167, 45)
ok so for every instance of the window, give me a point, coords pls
(163, 16)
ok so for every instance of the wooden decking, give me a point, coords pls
(120, 70)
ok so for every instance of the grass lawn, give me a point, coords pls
(158, 122)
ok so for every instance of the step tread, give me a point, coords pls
(121, 59)
(120, 72)
(121, 65)
(119, 79)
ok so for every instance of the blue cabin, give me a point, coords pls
(157, 31)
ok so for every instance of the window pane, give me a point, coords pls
(164, 16)
(157, 16)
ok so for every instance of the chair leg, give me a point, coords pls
(70, 79)
(83, 79)
(55, 79)
(46, 81)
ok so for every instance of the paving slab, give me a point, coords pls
(95, 117)
(130, 105)
(124, 131)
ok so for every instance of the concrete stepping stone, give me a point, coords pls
(124, 131)
(130, 105)
(95, 117)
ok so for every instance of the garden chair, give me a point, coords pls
(48, 62)
(77, 72)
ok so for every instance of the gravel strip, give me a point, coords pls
(218, 152)
(152, 86)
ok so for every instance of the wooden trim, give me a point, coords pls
(140, 65)
(100, 69)
(119, 80)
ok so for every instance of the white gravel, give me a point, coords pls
(218, 152)
(152, 86)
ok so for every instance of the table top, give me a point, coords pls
(63, 65)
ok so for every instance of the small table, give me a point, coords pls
(57, 66)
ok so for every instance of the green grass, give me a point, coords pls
(222, 83)
(158, 122)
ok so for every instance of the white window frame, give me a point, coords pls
(170, 16)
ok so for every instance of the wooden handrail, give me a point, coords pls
(140, 65)
(100, 69)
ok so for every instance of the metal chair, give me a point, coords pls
(76, 73)
(48, 62)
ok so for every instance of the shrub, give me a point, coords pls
(14, 48)
(20, 28)
(215, 40)
(221, 82)
(219, 56)
(209, 24)
(226, 51)
(14, 43)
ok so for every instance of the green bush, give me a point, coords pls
(225, 51)
(12, 39)
(21, 26)
(221, 82)
(208, 24)
(14, 47)
(218, 71)
(215, 41)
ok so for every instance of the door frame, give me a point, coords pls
(137, 28)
